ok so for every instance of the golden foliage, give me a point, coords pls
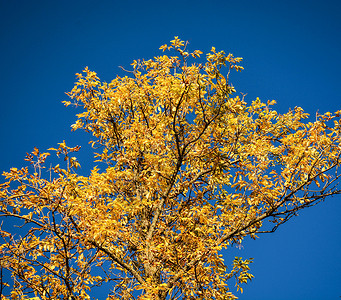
(189, 169)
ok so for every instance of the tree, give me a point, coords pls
(187, 168)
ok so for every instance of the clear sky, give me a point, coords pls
(291, 52)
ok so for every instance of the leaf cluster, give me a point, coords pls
(189, 168)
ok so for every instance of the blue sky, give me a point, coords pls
(291, 52)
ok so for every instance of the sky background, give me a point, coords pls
(291, 52)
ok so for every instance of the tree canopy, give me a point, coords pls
(186, 168)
